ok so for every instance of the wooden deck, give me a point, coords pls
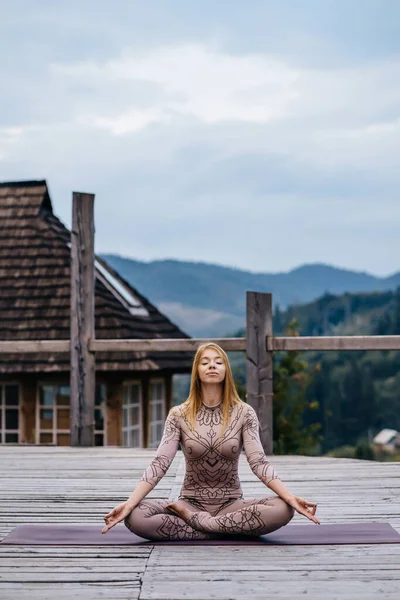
(76, 486)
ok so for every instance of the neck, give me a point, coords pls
(211, 393)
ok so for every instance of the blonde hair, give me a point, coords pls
(230, 397)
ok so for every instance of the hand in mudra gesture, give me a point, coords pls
(304, 507)
(116, 515)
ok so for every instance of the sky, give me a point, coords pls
(261, 135)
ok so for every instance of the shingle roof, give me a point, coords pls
(35, 291)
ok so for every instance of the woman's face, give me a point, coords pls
(211, 367)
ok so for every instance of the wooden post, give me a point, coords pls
(259, 365)
(82, 320)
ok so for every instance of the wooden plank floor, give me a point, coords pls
(77, 486)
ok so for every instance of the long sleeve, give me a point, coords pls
(166, 451)
(255, 455)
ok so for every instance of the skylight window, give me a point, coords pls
(126, 296)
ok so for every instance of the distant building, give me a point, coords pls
(387, 439)
(133, 390)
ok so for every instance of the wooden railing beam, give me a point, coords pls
(273, 344)
(335, 343)
(35, 347)
(165, 345)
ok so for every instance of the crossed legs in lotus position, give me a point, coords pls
(184, 520)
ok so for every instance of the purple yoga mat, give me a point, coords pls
(90, 535)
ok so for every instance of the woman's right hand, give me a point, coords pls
(116, 515)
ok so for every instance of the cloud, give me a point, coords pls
(200, 81)
(203, 82)
(194, 80)
(9, 138)
(198, 137)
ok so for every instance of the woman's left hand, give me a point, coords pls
(304, 507)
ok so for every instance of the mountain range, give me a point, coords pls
(210, 300)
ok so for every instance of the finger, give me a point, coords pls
(109, 525)
(109, 517)
(312, 509)
(310, 516)
(114, 522)
(314, 519)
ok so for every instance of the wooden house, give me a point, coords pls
(133, 390)
(387, 439)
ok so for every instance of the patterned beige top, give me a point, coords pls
(211, 459)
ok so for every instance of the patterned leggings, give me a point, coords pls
(254, 517)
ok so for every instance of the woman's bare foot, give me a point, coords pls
(180, 510)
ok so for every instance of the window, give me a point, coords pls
(120, 291)
(156, 412)
(132, 414)
(9, 413)
(53, 415)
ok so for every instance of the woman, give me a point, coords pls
(212, 426)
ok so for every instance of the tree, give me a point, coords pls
(295, 418)
(294, 429)
(396, 315)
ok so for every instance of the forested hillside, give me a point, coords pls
(358, 393)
